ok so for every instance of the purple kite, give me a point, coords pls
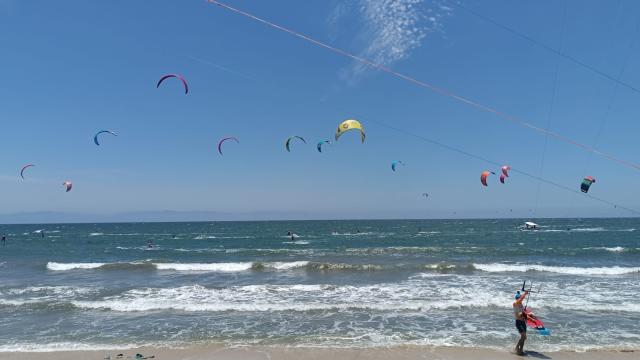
(68, 185)
(505, 170)
(184, 82)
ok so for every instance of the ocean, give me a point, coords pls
(336, 284)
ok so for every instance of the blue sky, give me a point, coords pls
(73, 68)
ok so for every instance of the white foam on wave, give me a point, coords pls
(589, 229)
(203, 237)
(611, 249)
(300, 298)
(229, 267)
(199, 250)
(55, 266)
(132, 248)
(297, 242)
(193, 267)
(418, 295)
(394, 249)
(64, 291)
(207, 267)
(96, 234)
(287, 265)
(63, 346)
(568, 270)
(39, 294)
(615, 249)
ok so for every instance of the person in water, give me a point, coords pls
(149, 244)
(4, 239)
(521, 321)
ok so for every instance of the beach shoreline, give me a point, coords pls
(290, 353)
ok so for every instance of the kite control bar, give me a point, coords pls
(530, 291)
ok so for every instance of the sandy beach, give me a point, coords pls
(284, 353)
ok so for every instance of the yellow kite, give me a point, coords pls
(350, 125)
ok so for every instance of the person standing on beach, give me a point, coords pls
(521, 321)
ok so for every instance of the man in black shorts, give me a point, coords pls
(521, 321)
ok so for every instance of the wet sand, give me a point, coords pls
(289, 353)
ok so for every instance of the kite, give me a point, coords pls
(225, 139)
(25, 168)
(395, 163)
(68, 185)
(350, 125)
(95, 137)
(322, 143)
(286, 144)
(184, 82)
(586, 184)
(505, 170)
(505, 173)
(484, 175)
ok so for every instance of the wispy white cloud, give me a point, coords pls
(338, 13)
(391, 29)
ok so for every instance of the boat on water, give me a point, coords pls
(528, 225)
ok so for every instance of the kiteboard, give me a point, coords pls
(534, 322)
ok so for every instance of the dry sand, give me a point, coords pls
(285, 353)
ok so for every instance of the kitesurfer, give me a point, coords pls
(521, 320)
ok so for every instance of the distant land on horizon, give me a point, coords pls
(53, 217)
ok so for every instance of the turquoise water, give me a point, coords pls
(337, 283)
